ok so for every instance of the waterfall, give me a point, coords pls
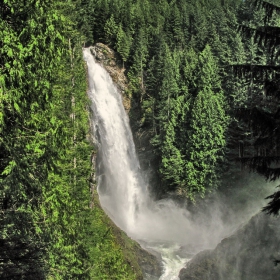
(122, 191)
(172, 231)
(120, 185)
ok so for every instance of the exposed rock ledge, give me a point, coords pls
(107, 57)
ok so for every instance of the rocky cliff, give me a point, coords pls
(107, 57)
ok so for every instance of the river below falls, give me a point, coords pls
(172, 259)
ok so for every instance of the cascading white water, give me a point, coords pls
(118, 171)
(122, 191)
(162, 225)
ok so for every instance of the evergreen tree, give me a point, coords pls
(168, 108)
(207, 128)
(139, 51)
(123, 44)
(173, 26)
(111, 31)
(31, 37)
(263, 113)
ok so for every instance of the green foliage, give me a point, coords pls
(190, 122)
(81, 244)
(138, 62)
(176, 55)
(167, 111)
(160, 43)
(259, 112)
(206, 136)
(111, 31)
(49, 229)
(123, 43)
(26, 91)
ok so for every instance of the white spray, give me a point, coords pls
(122, 190)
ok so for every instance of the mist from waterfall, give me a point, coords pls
(124, 193)
(122, 190)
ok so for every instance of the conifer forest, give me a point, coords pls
(203, 84)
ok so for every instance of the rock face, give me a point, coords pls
(145, 264)
(247, 254)
(107, 57)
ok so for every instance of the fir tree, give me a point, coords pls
(262, 115)
(207, 128)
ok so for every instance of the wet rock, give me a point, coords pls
(150, 263)
(142, 260)
(108, 58)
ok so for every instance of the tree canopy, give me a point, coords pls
(261, 114)
(203, 79)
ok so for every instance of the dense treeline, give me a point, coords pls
(201, 115)
(261, 111)
(49, 227)
(176, 55)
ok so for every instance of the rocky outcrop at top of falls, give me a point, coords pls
(108, 58)
(248, 254)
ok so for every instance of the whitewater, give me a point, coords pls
(160, 225)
